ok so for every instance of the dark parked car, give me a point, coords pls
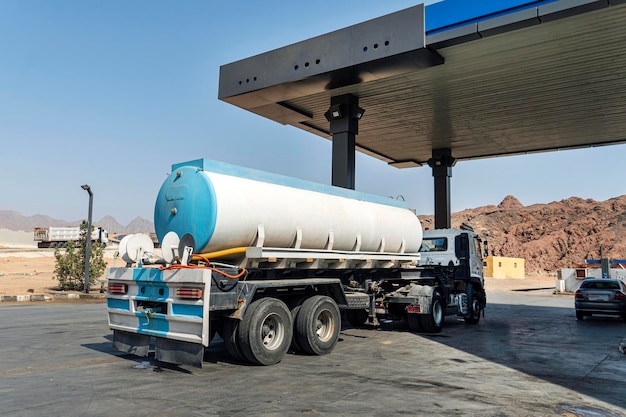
(601, 296)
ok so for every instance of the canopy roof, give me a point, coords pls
(481, 80)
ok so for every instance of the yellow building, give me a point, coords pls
(501, 267)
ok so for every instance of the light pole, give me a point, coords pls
(88, 237)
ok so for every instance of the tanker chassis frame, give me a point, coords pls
(279, 299)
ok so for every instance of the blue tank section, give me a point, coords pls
(186, 203)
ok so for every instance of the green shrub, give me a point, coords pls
(70, 263)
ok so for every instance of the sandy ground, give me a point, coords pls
(30, 271)
(25, 269)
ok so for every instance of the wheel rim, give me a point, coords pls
(437, 312)
(475, 309)
(272, 332)
(324, 326)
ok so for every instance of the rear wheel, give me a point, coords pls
(433, 321)
(264, 334)
(580, 316)
(230, 339)
(318, 325)
(295, 309)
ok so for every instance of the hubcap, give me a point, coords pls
(272, 332)
(475, 309)
(324, 326)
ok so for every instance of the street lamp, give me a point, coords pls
(88, 237)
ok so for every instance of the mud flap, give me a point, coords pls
(183, 353)
(136, 344)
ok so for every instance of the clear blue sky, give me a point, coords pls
(111, 93)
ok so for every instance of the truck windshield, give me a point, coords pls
(436, 244)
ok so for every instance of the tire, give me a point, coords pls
(294, 340)
(230, 339)
(414, 322)
(294, 306)
(318, 325)
(474, 307)
(580, 316)
(265, 333)
(357, 318)
(433, 321)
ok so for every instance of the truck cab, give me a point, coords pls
(459, 249)
(448, 280)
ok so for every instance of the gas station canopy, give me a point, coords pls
(478, 78)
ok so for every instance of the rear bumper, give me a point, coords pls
(590, 307)
(150, 306)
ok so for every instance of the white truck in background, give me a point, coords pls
(270, 263)
(58, 236)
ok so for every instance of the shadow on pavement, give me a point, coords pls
(548, 343)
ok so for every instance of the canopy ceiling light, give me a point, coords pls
(358, 113)
(334, 113)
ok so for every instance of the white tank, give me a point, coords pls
(225, 206)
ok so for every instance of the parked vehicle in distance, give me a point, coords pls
(600, 296)
(58, 236)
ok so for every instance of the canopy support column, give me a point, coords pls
(344, 114)
(441, 164)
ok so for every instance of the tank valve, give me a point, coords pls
(173, 211)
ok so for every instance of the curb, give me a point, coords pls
(63, 296)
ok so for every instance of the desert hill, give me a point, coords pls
(549, 236)
(12, 220)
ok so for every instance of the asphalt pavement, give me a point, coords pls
(527, 357)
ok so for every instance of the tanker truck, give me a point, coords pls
(270, 263)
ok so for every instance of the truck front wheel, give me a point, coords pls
(433, 321)
(265, 332)
(474, 307)
(318, 325)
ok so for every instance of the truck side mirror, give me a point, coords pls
(485, 249)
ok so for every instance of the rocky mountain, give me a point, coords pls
(12, 220)
(549, 236)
